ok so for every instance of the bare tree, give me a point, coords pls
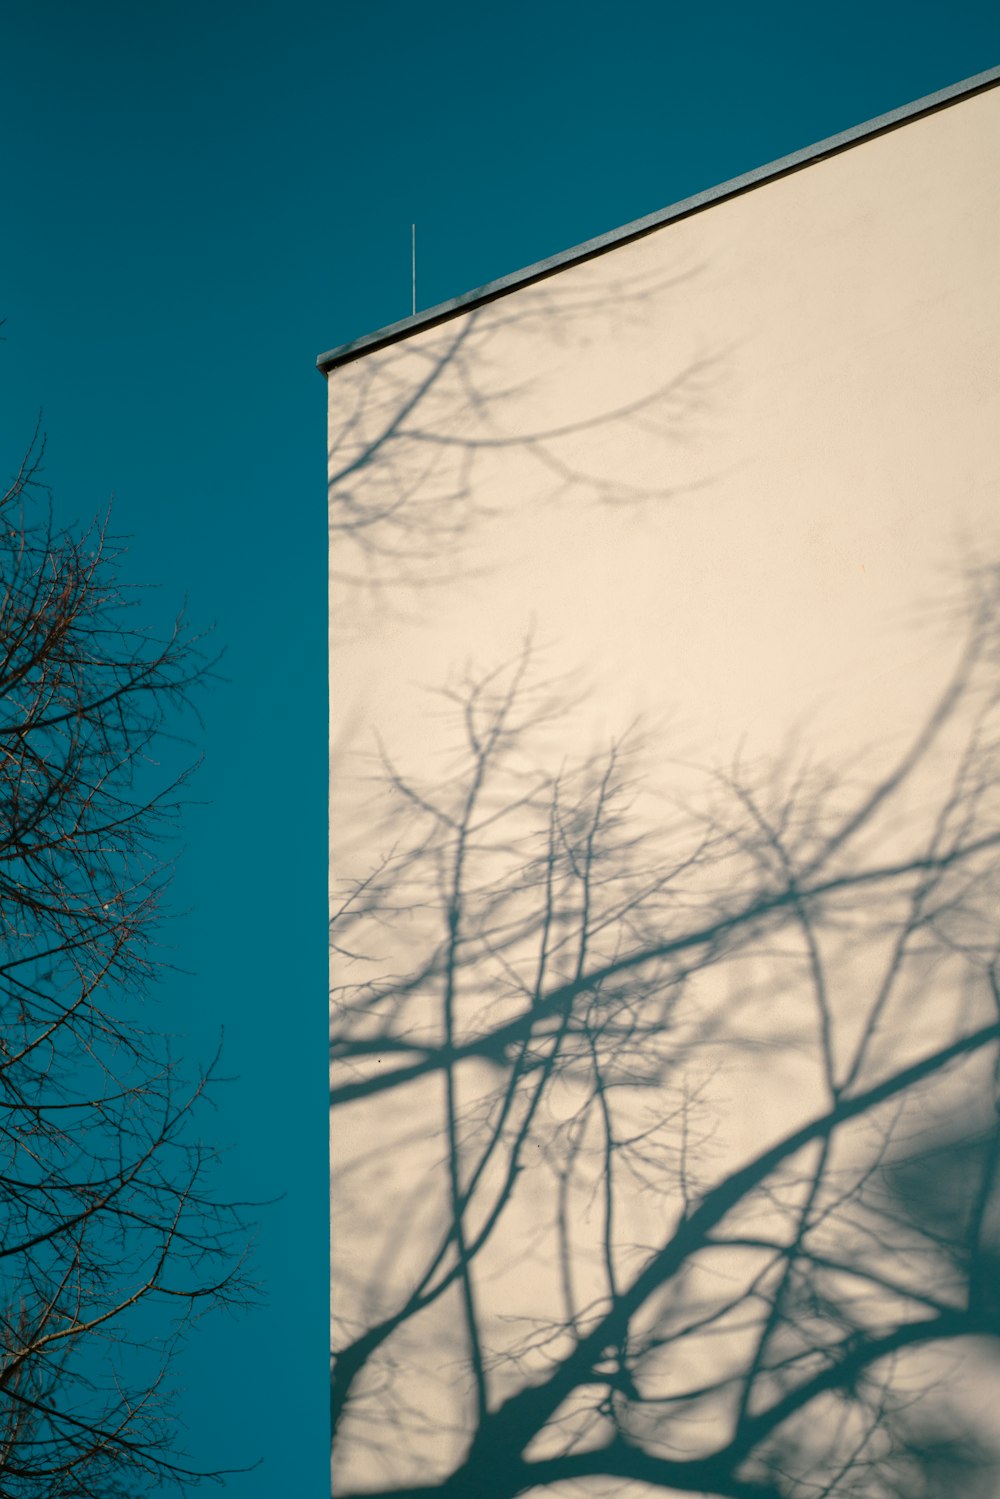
(111, 1240)
(664, 1141)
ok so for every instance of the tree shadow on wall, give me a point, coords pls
(664, 1151)
(421, 430)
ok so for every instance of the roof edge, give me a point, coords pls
(432, 316)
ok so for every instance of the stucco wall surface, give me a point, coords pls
(663, 649)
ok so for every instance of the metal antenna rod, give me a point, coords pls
(413, 263)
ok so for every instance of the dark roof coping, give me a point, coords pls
(429, 318)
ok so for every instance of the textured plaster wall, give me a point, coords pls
(729, 480)
(807, 445)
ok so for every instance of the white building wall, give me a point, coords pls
(732, 481)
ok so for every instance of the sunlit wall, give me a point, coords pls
(719, 510)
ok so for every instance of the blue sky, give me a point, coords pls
(199, 199)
